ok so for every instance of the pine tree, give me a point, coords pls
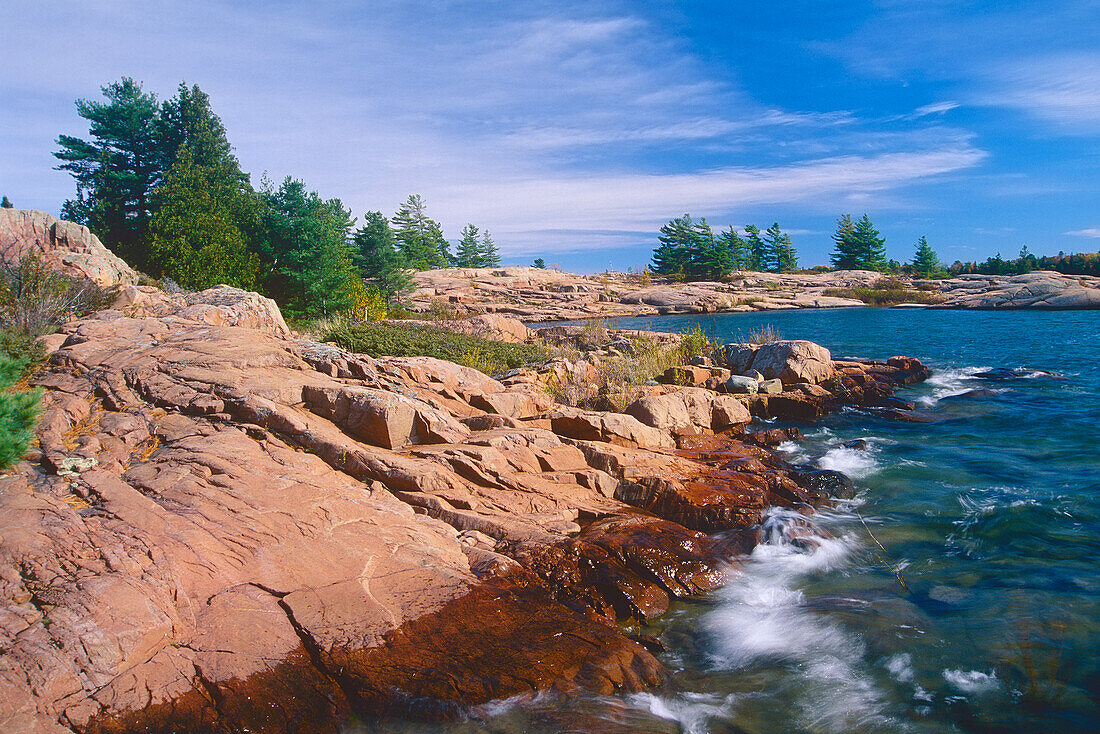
(847, 255)
(193, 238)
(759, 254)
(418, 237)
(19, 411)
(488, 254)
(771, 258)
(305, 244)
(871, 246)
(709, 258)
(379, 262)
(737, 248)
(468, 254)
(118, 169)
(925, 262)
(539, 263)
(673, 253)
(5, 203)
(786, 255)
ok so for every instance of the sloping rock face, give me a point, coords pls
(69, 247)
(1041, 289)
(221, 305)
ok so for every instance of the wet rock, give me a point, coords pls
(827, 481)
(775, 436)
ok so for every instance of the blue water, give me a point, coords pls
(959, 591)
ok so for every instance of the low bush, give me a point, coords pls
(35, 299)
(887, 292)
(390, 339)
(18, 412)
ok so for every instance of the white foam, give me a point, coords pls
(950, 382)
(900, 667)
(692, 711)
(971, 681)
(855, 463)
(761, 619)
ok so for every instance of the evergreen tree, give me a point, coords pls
(117, 170)
(193, 238)
(379, 262)
(786, 255)
(708, 256)
(737, 248)
(418, 237)
(847, 255)
(5, 203)
(488, 254)
(760, 255)
(468, 254)
(18, 412)
(925, 262)
(673, 253)
(306, 250)
(773, 244)
(871, 245)
(539, 263)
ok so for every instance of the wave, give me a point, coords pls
(856, 463)
(763, 619)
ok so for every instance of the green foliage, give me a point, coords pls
(540, 263)
(19, 411)
(117, 170)
(694, 342)
(418, 237)
(925, 263)
(395, 339)
(468, 254)
(689, 249)
(1080, 263)
(859, 246)
(737, 248)
(760, 255)
(488, 255)
(5, 203)
(193, 236)
(306, 251)
(379, 262)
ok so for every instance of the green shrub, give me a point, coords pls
(389, 339)
(694, 342)
(35, 299)
(18, 412)
(887, 292)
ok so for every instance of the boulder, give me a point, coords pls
(690, 408)
(221, 305)
(69, 247)
(738, 357)
(382, 418)
(740, 385)
(613, 428)
(771, 387)
(794, 361)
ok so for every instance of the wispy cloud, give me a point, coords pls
(1062, 90)
(1093, 232)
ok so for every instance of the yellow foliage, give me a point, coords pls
(367, 302)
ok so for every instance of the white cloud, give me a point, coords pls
(936, 108)
(1093, 232)
(1063, 90)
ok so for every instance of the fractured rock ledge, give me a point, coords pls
(224, 528)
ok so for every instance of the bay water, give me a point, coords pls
(958, 592)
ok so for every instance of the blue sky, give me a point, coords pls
(573, 131)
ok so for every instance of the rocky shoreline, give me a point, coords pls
(222, 526)
(536, 295)
(226, 527)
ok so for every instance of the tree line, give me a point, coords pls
(159, 184)
(689, 249)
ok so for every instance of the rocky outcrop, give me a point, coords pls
(532, 294)
(221, 305)
(71, 248)
(1040, 289)
(792, 361)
